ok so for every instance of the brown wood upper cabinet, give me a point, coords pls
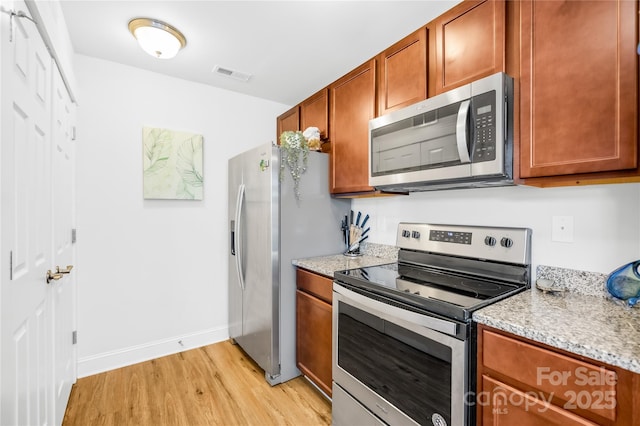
(402, 73)
(352, 104)
(314, 112)
(469, 44)
(288, 121)
(578, 86)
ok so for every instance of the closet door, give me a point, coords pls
(26, 226)
(63, 298)
(37, 290)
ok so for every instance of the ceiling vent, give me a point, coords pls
(231, 73)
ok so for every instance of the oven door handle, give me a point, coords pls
(391, 312)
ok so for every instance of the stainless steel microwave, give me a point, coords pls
(460, 138)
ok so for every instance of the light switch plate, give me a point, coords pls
(562, 229)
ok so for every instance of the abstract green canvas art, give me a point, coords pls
(172, 164)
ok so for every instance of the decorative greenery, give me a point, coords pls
(295, 152)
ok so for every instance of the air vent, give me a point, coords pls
(231, 73)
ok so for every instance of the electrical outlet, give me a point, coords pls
(562, 229)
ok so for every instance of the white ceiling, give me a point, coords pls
(291, 48)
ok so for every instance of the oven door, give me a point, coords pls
(395, 365)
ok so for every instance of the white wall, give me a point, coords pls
(606, 219)
(152, 272)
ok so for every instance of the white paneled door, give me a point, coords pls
(26, 357)
(64, 295)
(37, 364)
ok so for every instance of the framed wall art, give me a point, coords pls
(172, 164)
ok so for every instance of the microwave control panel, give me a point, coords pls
(483, 115)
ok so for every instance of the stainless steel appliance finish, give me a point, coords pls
(268, 228)
(403, 340)
(461, 138)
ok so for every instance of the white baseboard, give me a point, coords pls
(94, 364)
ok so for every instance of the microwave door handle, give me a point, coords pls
(461, 132)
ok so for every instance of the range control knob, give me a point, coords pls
(406, 233)
(490, 241)
(506, 242)
(415, 234)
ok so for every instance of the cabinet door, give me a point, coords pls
(506, 405)
(352, 105)
(402, 73)
(586, 388)
(288, 121)
(469, 44)
(314, 112)
(313, 339)
(578, 87)
(522, 382)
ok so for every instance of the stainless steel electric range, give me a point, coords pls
(403, 340)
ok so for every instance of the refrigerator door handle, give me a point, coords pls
(237, 236)
(233, 237)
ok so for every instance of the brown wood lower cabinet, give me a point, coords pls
(511, 406)
(313, 328)
(530, 384)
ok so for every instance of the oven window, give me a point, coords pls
(410, 371)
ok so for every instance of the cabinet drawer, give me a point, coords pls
(573, 384)
(319, 286)
(510, 406)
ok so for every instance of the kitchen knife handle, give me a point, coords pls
(364, 222)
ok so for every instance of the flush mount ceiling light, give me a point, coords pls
(157, 38)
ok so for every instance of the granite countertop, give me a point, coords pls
(373, 254)
(583, 320)
(595, 326)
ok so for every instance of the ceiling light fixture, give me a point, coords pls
(157, 38)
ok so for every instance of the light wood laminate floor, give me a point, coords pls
(213, 385)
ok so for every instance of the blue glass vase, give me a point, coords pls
(624, 283)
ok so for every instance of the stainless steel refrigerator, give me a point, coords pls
(268, 228)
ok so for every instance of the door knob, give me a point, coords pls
(51, 276)
(64, 271)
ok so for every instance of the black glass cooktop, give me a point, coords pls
(450, 294)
